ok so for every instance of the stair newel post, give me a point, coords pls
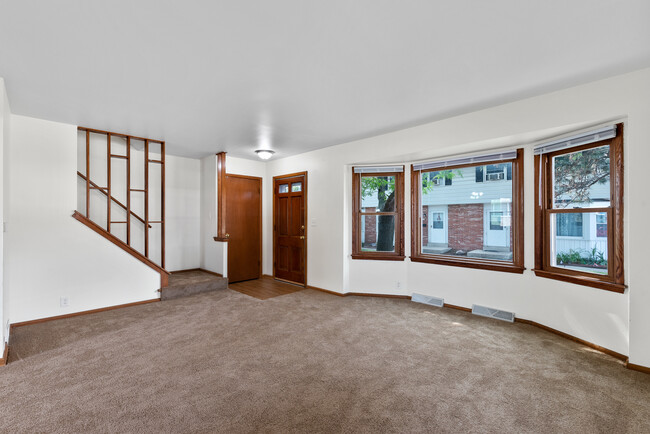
(162, 204)
(108, 183)
(87, 174)
(128, 190)
(146, 198)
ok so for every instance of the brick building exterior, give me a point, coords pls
(370, 228)
(466, 226)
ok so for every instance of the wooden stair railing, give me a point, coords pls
(117, 202)
(106, 191)
(164, 274)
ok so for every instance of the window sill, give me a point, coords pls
(579, 280)
(468, 263)
(378, 257)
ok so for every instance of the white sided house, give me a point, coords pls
(468, 212)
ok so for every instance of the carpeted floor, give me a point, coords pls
(310, 362)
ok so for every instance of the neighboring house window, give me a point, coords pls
(493, 172)
(569, 225)
(378, 213)
(438, 178)
(473, 222)
(579, 207)
(601, 224)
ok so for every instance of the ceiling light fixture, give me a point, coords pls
(264, 154)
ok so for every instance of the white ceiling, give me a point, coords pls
(210, 76)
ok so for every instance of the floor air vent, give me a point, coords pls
(427, 299)
(493, 313)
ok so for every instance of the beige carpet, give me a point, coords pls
(310, 362)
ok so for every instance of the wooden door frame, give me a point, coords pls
(260, 179)
(304, 191)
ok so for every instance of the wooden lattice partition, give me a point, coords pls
(106, 190)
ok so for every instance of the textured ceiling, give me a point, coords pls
(296, 75)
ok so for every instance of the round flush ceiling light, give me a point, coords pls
(264, 154)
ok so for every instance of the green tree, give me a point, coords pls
(577, 172)
(384, 188)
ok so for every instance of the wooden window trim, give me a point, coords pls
(615, 279)
(517, 264)
(398, 254)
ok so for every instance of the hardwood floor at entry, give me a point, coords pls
(265, 288)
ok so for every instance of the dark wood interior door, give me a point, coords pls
(289, 234)
(244, 226)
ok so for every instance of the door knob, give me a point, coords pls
(227, 235)
(302, 227)
(302, 237)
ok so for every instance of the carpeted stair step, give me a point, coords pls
(186, 283)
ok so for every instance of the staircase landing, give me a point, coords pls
(184, 283)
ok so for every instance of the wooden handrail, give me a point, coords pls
(93, 130)
(164, 274)
(120, 204)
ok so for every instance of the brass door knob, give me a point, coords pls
(302, 237)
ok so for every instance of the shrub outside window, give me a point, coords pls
(469, 212)
(578, 218)
(378, 213)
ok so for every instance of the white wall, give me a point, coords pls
(50, 254)
(182, 213)
(616, 321)
(5, 120)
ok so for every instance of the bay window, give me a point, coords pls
(468, 212)
(579, 209)
(378, 213)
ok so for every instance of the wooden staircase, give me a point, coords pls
(128, 145)
(190, 282)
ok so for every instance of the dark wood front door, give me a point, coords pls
(289, 234)
(244, 226)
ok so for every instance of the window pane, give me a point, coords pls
(583, 249)
(284, 188)
(568, 225)
(440, 178)
(470, 217)
(496, 220)
(296, 186)
(581, 179)
(601, 224)
(496, 172)
(377, 233)
(437, 221)
(378, 193)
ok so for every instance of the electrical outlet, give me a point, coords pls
(65, 302)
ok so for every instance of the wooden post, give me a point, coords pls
(146, 198)
(162, 204)
(108, 183)
(128, 191)
(222, 235)
(87, 174)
